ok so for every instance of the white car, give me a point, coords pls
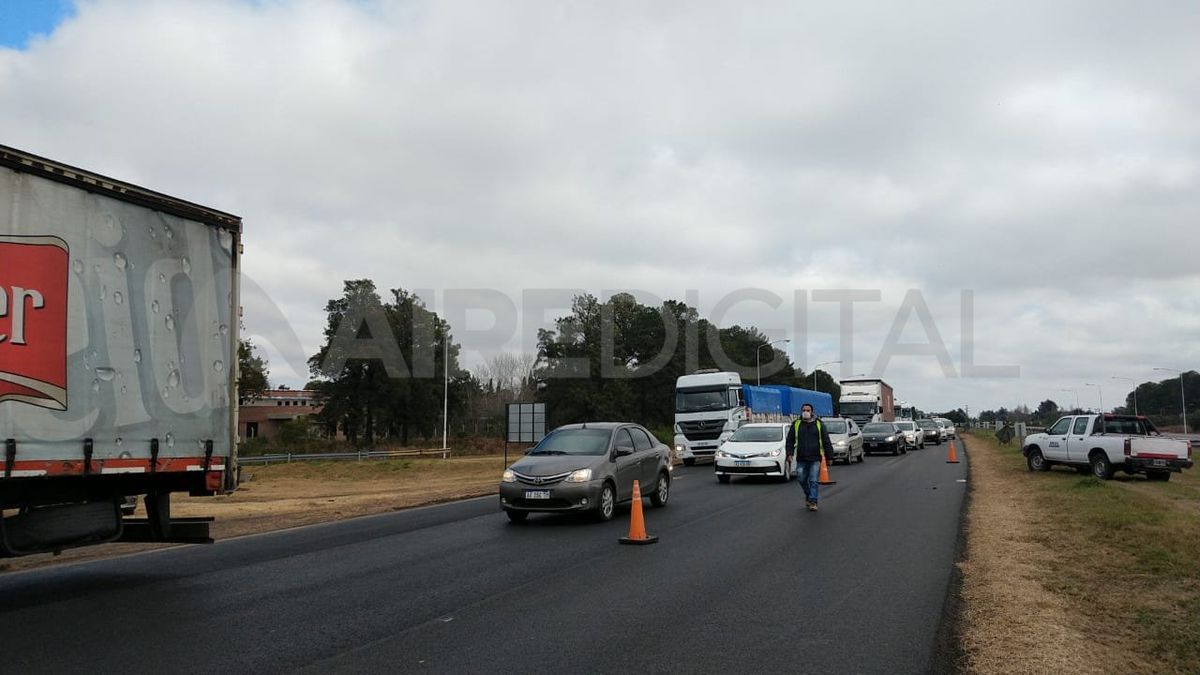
(912, 434)
(947, 427)
(846, 438)
(754, 450)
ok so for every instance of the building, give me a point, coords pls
(263, 416)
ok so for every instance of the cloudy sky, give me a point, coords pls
(1044, 158)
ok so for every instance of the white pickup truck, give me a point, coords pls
(1102, 444)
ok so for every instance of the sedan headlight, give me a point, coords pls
(775, 453)
(508, 476)
(889, 439)
(839, 444)
(722, 453)
(580, 476)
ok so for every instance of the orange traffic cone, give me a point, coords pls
(637, 526)
(953, 457)
(823, 477)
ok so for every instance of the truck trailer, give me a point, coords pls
(710, 405)
(118, 357)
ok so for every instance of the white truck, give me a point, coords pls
(708, 409)
(866, 400)
(1101, 444)
(118, 357)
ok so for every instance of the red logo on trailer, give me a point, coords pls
(33, 320)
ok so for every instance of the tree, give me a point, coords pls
(381, 376)
(252, 373)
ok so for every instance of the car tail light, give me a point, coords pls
(1128, 447)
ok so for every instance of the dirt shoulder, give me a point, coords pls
(1065, 573)
(281, 496)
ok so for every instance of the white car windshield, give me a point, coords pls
(757, 435)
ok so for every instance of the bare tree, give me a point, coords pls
(510, 375)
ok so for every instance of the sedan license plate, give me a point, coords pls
(1160, 462)
(537, 494)
(741, 462)
(872, 445)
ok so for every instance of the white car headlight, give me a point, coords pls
(508, 476)
(889, 439)
(776, 452)
(579, 476)
(722, 453)
(839, 444)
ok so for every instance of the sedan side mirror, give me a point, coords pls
(623, 451)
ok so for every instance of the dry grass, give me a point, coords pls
(302, 493)
(1068, 574)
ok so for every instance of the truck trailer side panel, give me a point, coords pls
(118, 339)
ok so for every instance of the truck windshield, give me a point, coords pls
(696, 400)
(861, 408)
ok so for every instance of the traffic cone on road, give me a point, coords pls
(953, 457)
(823, 477)
(637, 525)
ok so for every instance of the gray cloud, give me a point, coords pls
(1047, 156)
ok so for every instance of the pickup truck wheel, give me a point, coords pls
(1036, 461)
(1101, 467)
(1158, 475)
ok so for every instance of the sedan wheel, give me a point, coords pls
(608, 503)
(662, 490)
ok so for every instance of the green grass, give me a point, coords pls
(1130, 552)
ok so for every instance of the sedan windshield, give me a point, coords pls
(880, 428)
(696, 400)
(757, 435)
(926, 424)
(834, 426)
(905, 426)
(573, 442)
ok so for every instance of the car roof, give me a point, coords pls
(596, 425)
(764, 424)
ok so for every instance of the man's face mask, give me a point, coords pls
(807, 414)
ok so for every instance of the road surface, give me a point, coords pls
(742, 580)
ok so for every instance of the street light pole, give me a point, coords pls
(445, 391)
(1182, 398)
(1135, 408)
(1101, 391)
(758, 362)
(1073, 391)
(827, 363)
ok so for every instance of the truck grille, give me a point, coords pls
(702, 430)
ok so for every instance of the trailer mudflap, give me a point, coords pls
(181, 531)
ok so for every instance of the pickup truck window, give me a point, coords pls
(1061, 427)
(1081, 426)
(1129, 427)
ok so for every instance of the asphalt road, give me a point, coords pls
(743, 579)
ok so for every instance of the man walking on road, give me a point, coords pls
(807, 440)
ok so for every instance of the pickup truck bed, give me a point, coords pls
(1103, 444)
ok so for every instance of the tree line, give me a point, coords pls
(616, 359)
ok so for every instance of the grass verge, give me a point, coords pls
(1066, 573)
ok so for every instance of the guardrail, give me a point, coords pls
(287, 457)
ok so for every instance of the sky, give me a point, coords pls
(1039, 160)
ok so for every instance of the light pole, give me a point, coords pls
(1117, 377)
(758, 362)
(1073, 391)
(445, 391)
(1101, 391)
(827, 363)
(1182, 398)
